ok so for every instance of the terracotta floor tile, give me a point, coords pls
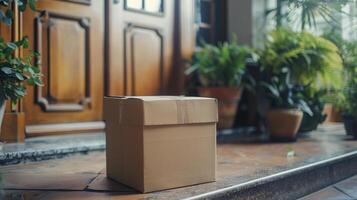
(84, 196)
(65, 195)
(327, 194)
(53, 181)
(94, 164)
(102, 183)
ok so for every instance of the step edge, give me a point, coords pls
(275, 177)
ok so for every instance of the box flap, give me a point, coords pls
(166, 110)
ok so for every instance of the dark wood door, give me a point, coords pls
(69, 35)
(140, 46)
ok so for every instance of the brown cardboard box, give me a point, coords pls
(158, 143)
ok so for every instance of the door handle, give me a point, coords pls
(116, 1)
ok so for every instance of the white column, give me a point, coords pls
(246, 20)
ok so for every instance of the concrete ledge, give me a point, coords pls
(291, 184)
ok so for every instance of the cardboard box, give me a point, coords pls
(158, 143)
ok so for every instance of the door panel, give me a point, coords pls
(140, 46)
(69, 38)
(69, 35)
(62, 41)
(146, 68)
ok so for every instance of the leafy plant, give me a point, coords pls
(311, 60)
(15, 70)
(281, 91)
(346, 96)
(221, 65)
(6, 14)
(314, 99)
(347, 49)
(349, 103)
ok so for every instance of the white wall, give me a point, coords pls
(240, 20)
(246, 20)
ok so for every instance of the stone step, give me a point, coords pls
(251, 167)
(51, 147)
(291, 184)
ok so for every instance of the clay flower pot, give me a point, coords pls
(350, 123)
(333, 113)
(283, 124)
(228, 100)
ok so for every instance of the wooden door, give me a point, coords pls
(69, 35)
(140, 44)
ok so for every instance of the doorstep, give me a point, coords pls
(53, 147)
(50, 147)
(246, 169)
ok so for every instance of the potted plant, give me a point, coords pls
(314, 63)
(332, 105)
(350, 110)
(220, 70)
(342, 106)
(285, 114)
(14, 71)
(314, 99)
(349, 101)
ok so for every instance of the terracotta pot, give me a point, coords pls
(2, 112)
(333, 114)
(284, 123)
(228, 100)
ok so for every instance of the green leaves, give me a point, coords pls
(221, 65)
(4, 17)
(7, 14)
(23, 42)
(22, 4)
(311, 59)
(345, 96)
(19, 76)
(294, 62)
(32, 4)
(272, 89)
(14, 71)
(11, 45)
(282, 93)
(7, 70)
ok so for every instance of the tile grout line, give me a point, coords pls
(91, 181)
(343, 192)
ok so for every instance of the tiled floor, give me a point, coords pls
(83, 176)
(345, 190)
